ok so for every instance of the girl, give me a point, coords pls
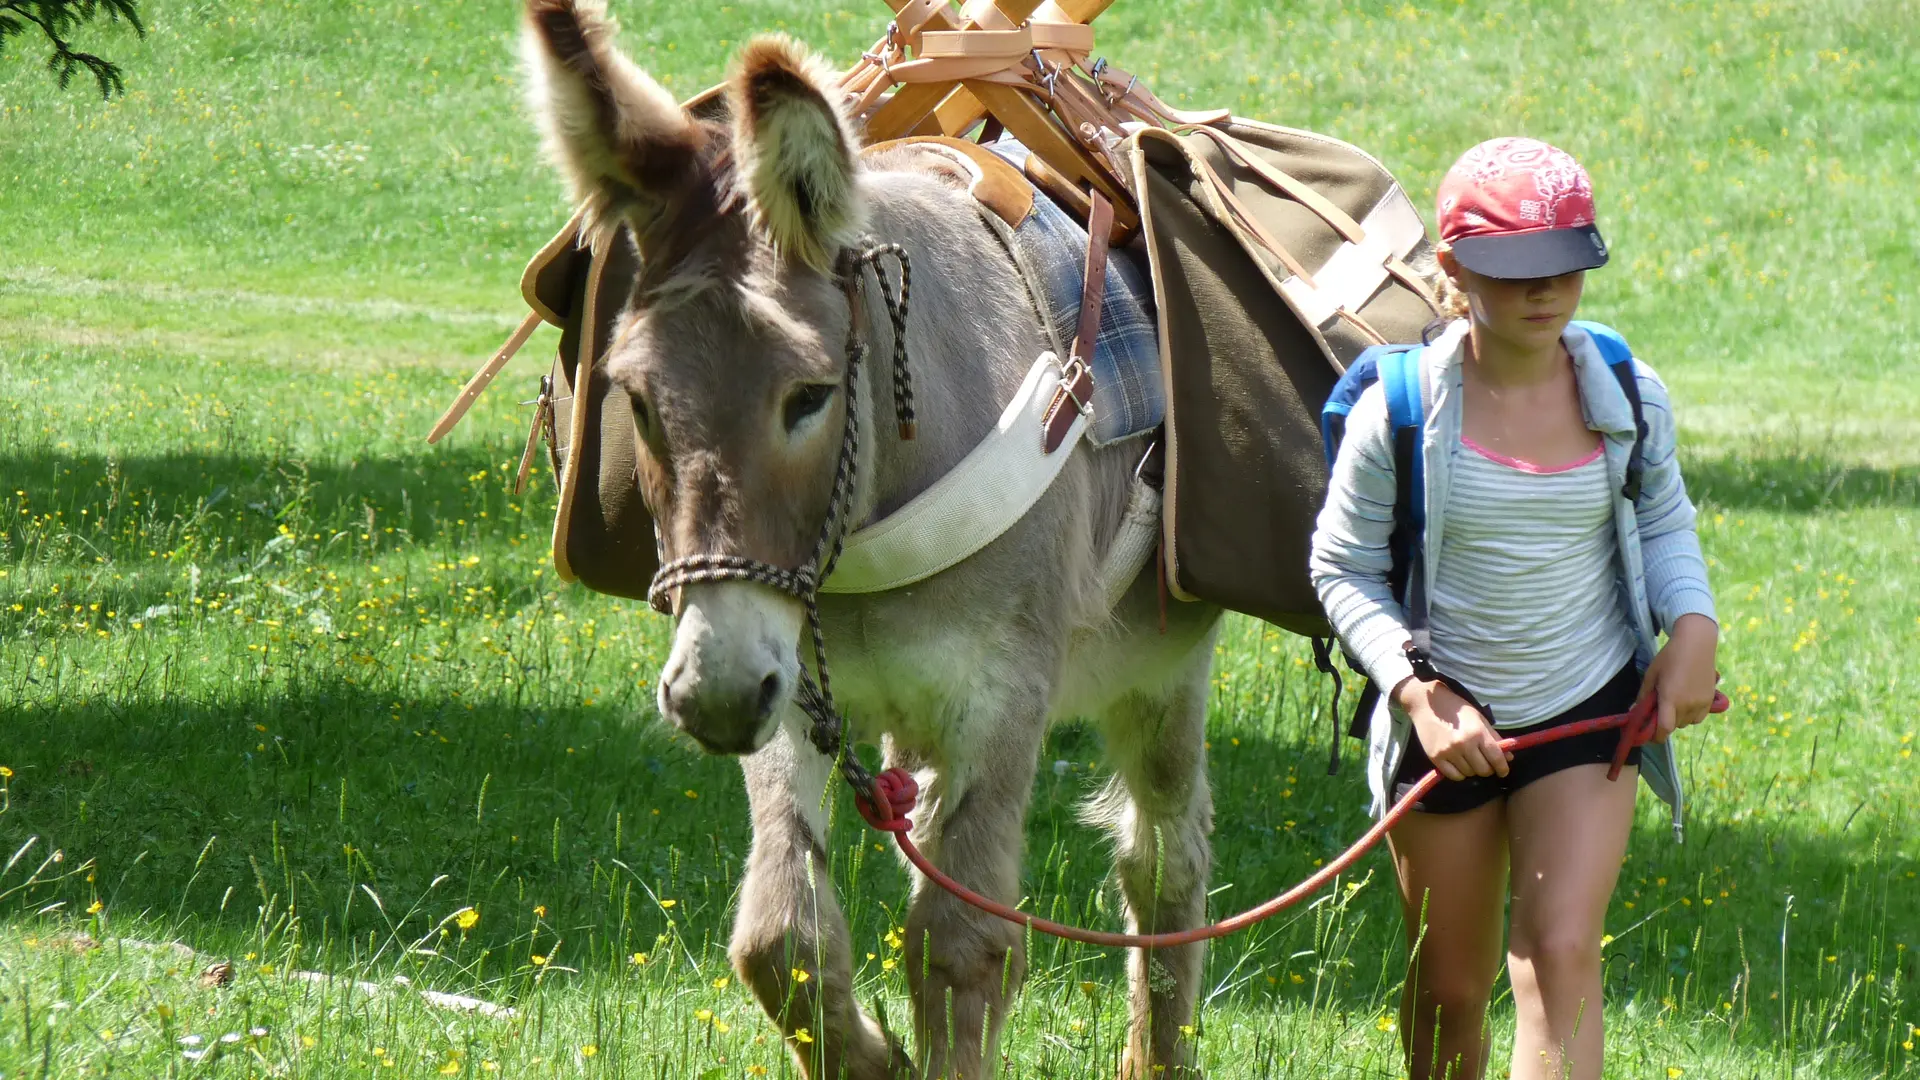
(1543, 584)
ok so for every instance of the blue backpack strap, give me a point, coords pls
(1397, 369)
(1619, 357)
(1406, 415)
(1353, 382)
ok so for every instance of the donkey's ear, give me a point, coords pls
(623, 144)
(795, 150)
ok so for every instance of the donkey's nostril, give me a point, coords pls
(769, 694)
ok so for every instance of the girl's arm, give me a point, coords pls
(1351, 554)
(1676, 572)
(1351, 558)
(1682, 676)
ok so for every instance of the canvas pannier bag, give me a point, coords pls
(602, 532)
(603, 535)
(1277, 256)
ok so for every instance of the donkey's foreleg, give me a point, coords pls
(1161, 812)
(963, 965)
(790, 921)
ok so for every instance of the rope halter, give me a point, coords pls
(815, 693)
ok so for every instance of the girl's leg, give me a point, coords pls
(1452, 871)
(1567, 832)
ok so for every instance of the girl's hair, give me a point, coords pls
(1452, 302)
(1451, 298)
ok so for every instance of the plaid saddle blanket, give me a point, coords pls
(1129, 397)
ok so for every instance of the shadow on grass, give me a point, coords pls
(194, 814)
(203, 810)
(250, 494)
(1798, 483)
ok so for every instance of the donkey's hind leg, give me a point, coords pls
(1160, 810)
(790, 921)
(963, 965)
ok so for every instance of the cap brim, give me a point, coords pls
(1543, 254)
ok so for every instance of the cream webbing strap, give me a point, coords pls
(482, 378)
(971, 506)
(1138, 535)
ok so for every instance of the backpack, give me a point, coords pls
(1397, 369)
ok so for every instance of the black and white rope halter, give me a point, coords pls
(815, 694)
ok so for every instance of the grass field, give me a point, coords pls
(283, 685)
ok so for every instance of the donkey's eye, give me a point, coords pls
(645, 424)
(806, 401)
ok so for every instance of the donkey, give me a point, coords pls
(730, 350)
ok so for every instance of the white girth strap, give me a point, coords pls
(968, 508)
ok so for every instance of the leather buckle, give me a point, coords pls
(1076, 381)
(1076, 386)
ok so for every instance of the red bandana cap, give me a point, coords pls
(1518, 208)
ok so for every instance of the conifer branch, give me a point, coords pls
(56, 19)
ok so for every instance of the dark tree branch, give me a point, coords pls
(55, 19)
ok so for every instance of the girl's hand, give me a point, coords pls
(1457, 739)
(1682, 677)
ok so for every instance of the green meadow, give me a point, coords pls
(285, 688)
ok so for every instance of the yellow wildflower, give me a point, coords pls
(466, 919)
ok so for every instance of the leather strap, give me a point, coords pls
(992, 180)
(484, 377)
(1337, 219)
(542, 413)
(1099, 225)
(1076, 380)
(1124, 90)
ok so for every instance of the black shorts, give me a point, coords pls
(1459, 796)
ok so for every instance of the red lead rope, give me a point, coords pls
(897, 788)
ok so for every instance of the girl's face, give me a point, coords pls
(1527, 314)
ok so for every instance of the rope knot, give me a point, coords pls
(896, 792)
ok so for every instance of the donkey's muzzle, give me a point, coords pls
(733, 666)
(731, 722)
